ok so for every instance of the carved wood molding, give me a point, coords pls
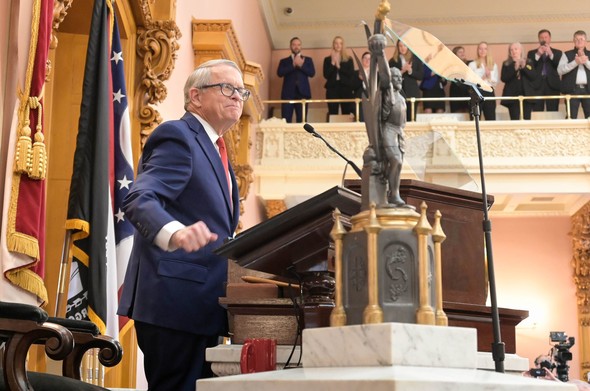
(218, 36)
(238, 144)
(581, 264)
(60, 10)
(274, 207)
(157, 44)
(214, 39)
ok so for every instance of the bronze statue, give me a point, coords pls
(385, 119)
(393, 120)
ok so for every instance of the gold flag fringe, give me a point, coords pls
(23, 244)
(29, 281)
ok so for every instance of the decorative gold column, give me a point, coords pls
(338, 315)
(424, 314)
(157, 44)
(373, 312)
(438, 236)
(581, 263)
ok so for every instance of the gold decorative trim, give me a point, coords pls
(238, 144)
(234, 52)
(274, 207)
(157, 44)
(60, 10)
(580, 234)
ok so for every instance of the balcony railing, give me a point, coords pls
(414, 102)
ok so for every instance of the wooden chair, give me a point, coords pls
(22, 325)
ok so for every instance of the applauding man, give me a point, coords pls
(296, 71)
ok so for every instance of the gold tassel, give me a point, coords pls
(39, 163)
(38, 168)
(22, 159)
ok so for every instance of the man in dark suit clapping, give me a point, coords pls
(545, 60)
(296, 71)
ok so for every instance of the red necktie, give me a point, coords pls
(223, 154)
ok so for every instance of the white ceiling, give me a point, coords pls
(316, 22)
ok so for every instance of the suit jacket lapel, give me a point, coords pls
(211, 154)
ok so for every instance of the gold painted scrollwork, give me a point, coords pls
(60, 10)
(581, 264)
(157, 44)
(238, 144)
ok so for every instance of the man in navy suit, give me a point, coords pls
(184, 204)
(546, 60)
(296, 70)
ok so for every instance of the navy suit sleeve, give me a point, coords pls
(166, 168)
(285, 67)
(308, 67)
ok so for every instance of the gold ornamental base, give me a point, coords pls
(388, 268)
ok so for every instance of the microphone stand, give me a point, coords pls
(498, 348)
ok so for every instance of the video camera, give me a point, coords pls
(561, 353)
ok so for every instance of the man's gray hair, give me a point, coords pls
(202, 76)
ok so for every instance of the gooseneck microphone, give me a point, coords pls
(309, 129)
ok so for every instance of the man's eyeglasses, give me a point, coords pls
(229, 90)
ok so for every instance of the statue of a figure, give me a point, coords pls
(386, 110)
(393, 120)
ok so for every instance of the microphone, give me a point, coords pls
(309, 129)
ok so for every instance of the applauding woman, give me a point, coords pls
(520, 78)
(412, 72)
(340, 77)
(485, 68)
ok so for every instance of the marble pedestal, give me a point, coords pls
(386, 356)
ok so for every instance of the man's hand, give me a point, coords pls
(581, 58)
(193, 237)
(298, 60)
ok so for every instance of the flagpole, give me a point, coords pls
(64, 273)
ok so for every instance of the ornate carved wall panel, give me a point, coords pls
(581, 265)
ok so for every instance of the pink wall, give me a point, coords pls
(532, 258)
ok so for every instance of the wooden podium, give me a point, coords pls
(298, 241)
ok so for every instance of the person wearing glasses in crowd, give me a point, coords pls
(574, 70)
(184, 203)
